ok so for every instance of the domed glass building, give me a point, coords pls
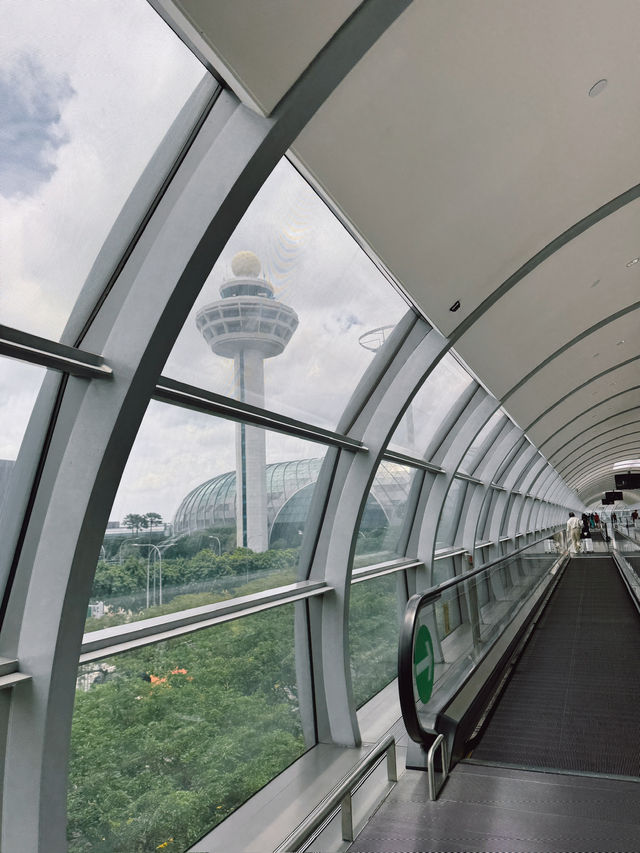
(212, 504)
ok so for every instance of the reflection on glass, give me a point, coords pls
(19, 386)
(429, 407)
(169, 739)
(280, 319)
(373, 635)
(79, 127)
(466, 619)
(450, 516)
(206, 510)
(384, 514)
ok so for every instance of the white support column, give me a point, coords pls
(376, 408)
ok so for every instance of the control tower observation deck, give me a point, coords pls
(248, 325)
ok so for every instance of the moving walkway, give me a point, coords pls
(534, 713)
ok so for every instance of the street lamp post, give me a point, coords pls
(155, 548)
(219, 545)
(122, 544)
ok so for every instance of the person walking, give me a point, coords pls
(574, 532)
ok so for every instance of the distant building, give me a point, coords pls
(289, 487)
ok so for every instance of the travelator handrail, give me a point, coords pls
(340, 797)
(410, 715)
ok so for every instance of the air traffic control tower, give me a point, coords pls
(248, 325)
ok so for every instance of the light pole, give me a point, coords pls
(122, 544)
(155, 548)
(219, 545)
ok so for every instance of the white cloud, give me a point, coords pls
(124, 76)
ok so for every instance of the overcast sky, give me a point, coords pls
(89, 88)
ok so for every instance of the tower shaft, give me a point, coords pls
(251, 487)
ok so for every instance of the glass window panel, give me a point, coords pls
(180, 533)
(19, 386)
(471, 459)
(449, 519)
(494, 501)
(448, 612)
(430, 406)
(374, 619)
(500, 591)
(79, 127)
(320, 292)
(505, 518)
(482, 532)
(384, 514)
(169, 739)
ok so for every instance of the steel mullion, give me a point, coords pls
(24, 346)
(413, 461)
(123, 638)
(190, 397)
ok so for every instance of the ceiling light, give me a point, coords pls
(598, 87)
(455, 306)
(634, 261)
(619, 343)
(596, 354)
(596, 283)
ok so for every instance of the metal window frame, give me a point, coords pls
(120, 639)
(207, 402)
(23, 346)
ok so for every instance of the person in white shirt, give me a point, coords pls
(574, 531)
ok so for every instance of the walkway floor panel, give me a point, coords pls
(490, 809)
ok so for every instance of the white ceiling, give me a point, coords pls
(460, 146)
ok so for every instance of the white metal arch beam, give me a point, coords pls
(567, 470)
(586, 445)
(597, 405)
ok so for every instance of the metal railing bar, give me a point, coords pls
(443, 553)
(413, 461)
(24, 346)
(468, 478)
(334, 799)
(121, 638)
(7, 681)
(387, 568)
(190, 397)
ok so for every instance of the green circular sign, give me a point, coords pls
(423, 663)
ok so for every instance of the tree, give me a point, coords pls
(177, 735)
(135, 522)
(154, 519)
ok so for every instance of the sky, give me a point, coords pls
(87, 91)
